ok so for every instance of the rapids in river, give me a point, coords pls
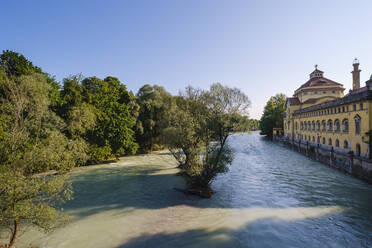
(271, 197)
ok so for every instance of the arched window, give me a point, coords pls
(309, 138)
(346, 145)
(337, 143)
(330, 142)
(318, 125)
(330, 125)
(357, 150)
(318, 140)
(302, 125)
(324, 125)
(323, 141)
(309, 125)
(296, 125)
(337, 125)
(305, 125)
(345, 125)
(357, 124)
(313, 124)
(313, 139)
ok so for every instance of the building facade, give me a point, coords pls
(319, 113)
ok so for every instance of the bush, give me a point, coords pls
(98, 154)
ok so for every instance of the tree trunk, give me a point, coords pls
(14, 234)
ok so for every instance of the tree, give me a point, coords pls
(226, 106)
(16, 64)
(187, 131)
(199, 128)
(31, 142)
(114, 120)
(273, 114)
(154, 106)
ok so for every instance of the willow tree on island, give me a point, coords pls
(197, 136)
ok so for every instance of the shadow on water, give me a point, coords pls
(267, 232)
(116, 188)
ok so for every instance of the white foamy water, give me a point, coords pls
(271, 197)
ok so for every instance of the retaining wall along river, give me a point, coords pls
(337, 158)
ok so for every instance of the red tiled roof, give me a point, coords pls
(294, 101)
(356, 91)
(319, 81)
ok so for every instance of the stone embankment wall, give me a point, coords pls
(337, 158)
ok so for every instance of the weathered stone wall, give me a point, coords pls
(346, 162)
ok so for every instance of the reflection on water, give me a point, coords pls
(271, 197)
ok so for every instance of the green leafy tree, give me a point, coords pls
(16, 64)
(227, 105)
(31, 142)
(154, 105)
(273, 114)
(199, 128)
(100, 112)
(114, 120)
(188, 132)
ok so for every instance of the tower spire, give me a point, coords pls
(356, 74)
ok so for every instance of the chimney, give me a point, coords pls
(356, 74)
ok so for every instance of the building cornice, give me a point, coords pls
(365, 95)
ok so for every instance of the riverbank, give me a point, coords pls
(271, 197)
(349, 163)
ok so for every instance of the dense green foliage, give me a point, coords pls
(46, 129)
(273, 114)
(200, 125)
(155, 104)
(99, 112)
(31, 141)
(16, 64)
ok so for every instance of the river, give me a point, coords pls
(271, 197)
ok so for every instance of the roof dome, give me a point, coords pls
(370, 78)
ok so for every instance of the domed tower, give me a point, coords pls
(318, 89)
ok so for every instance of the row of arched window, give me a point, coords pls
(323, 140)
(329, 125)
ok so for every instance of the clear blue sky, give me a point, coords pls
(262, 47)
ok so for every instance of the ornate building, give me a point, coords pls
(320, 113)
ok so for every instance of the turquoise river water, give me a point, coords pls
(271, 197)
